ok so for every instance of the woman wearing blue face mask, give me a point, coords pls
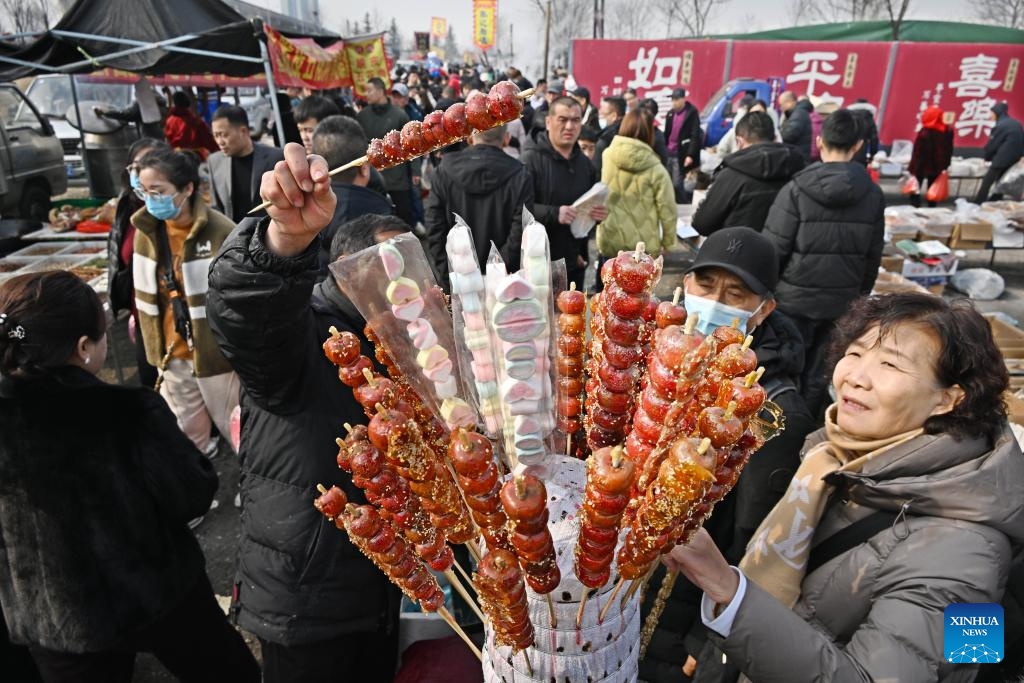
(177, 237)
(120, 247)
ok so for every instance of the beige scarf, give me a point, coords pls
(777, 555)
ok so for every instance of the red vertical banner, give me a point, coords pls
(485, 23)
(965, 79)
(654, 68)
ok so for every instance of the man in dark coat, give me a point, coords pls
(377, 119)
(1004, 148)
(560, 174)
(736, 268)
(827, 226)
(683, 138)
(320, 608)
(748, 180)
(339, 140)
(796, 124)
(489, 189)
(609, 113)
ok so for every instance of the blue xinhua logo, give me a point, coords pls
(973, 633)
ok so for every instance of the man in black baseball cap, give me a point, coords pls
(732, 278)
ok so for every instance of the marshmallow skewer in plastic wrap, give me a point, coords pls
(468, 290)
(519, 307)
(406, 300)
(536, 268)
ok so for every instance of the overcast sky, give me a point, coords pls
(527, 22)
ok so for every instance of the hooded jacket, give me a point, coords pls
(745, 186)
(875, 612)
(94, 537)
(489, 189)
(796, 128)
(680, 632)
(827, 227)
(641, 201)
(299, 580)
(1005, 144)
(558, 181)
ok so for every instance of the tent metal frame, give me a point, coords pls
(169, 45)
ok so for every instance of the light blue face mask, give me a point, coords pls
(712, 314)
(133, 180)
(161, 206)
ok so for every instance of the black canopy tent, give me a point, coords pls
(150, 37)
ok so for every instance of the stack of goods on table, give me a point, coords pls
(567, 451)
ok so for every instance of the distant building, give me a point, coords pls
(303, 10)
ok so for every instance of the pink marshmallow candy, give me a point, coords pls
(422, 334)
(440, 372)
(391, 258)
(484, 372)
(408, 311)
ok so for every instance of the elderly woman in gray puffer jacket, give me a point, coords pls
(916, 458)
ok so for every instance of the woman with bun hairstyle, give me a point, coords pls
(96, 558)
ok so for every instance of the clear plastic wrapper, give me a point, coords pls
(476, 364)
(392, 286)
(519, 317)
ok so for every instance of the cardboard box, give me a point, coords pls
(976, 235)
(1009, 339)
(899, 234)
(917, 269)
(893, 263)
(1014, 408)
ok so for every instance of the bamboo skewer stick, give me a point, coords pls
(529, 664)
(363, 159)
(579, 612)
(611, 600)
(474, 550)
(551, 611)
(463, 572)
(457, 585)
(447, 616)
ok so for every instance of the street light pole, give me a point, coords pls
(547, 37)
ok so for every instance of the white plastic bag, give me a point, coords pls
(978, 283)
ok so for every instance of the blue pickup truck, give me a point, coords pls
(719, 113)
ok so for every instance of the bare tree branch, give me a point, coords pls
(569, 19)
(811, 11)
(897, 9)
(1008, 13)
(629, 19)
(24, 16)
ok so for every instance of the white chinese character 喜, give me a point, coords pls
(976, 76)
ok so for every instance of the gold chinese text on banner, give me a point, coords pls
(365, 60)
(301, 62)
(485, 20)
(438, 31)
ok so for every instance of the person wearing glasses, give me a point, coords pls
(177, 236)
(121, 246)
(561, 173)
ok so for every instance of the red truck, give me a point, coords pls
(900, 78)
